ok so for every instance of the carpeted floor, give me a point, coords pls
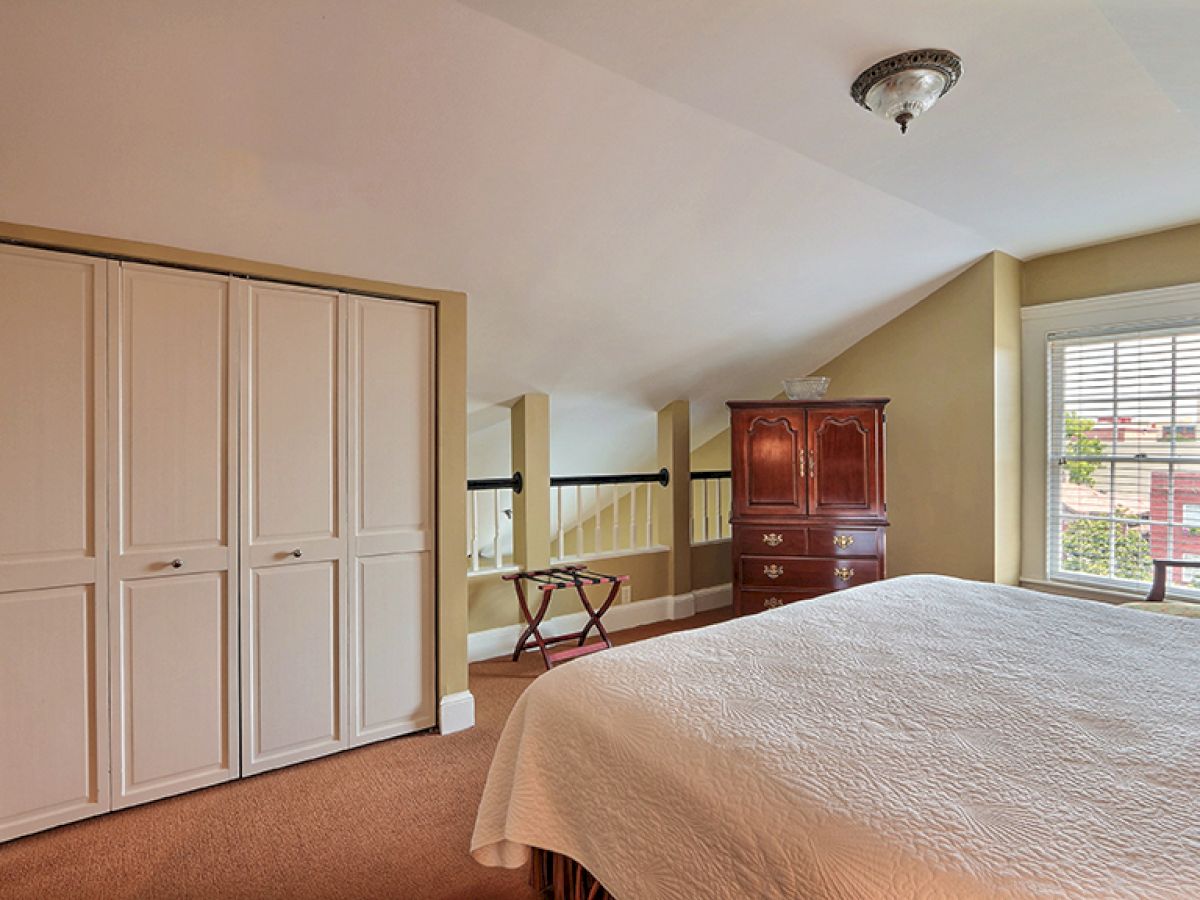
(389, 820)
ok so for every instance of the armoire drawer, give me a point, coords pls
(843, 541)
(806, 573)
(753, 601)
(770, 539)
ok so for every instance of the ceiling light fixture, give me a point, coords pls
(903, 86)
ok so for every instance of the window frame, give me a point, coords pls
(1158, 308)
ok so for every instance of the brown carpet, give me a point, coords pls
(393, 819)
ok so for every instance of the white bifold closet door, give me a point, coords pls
(216, 529)
(173, 358)
(293, 526)
(390, 518)
(337, 522)
(53, 586)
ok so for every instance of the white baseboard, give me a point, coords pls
(457, 712)
(496, 642)
(715, 597)
(681, 606)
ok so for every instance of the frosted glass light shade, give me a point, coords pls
(903, 97)
(903, 86)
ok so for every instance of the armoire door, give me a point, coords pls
(293, 526)
(769, 462)
(390, 573)
(53, 582)
(844, 462)
(173, 526)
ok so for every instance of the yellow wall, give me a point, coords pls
(711, 564)
(938, 363)
(1147, 261)
(713, 454)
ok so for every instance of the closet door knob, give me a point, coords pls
(296, 553)
(177, 564)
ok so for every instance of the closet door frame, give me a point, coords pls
(87, 572)
(124, 795)
(334, 548)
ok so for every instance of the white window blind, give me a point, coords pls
(1124, 459)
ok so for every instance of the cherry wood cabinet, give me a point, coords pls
(809, 507)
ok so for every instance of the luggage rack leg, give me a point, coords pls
(534, 621)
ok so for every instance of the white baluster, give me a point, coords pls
(498, 552)
(613, 493)
(705, 529)
(578, 520)
(632, 516)
(558, 502)
(649, 514)
(474, 531)
(595, 540)
(692, 512)
(720, 511)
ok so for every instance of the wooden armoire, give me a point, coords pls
(809, 510)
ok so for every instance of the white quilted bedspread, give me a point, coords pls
(921, 737)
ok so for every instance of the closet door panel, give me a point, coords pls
(391, 518)
(174, 656)
(174, 384)
(51, 391)
(53, 583)
(294, 658)
(53, 764)
(294, 536)
(294, 411)
(173, 354)
(394, 619)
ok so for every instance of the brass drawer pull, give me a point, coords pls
(771, 539)
(844, 573)
(772, 603)
(842, 541)
(772, 571)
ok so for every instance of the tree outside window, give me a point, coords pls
(1081, 443)
(1085, 548)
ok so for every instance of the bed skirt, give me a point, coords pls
(559, 877)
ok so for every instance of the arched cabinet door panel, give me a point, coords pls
(844, 467)
(769, 458)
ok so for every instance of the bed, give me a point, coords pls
(924, 736)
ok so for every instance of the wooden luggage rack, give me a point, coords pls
(556, 579)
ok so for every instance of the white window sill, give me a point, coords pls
(1094, 592)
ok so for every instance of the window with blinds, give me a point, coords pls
(1124, 467)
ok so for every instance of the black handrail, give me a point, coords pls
(662, 476)
(515, 484)
(709, 474)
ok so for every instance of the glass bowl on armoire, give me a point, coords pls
(810, 388)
